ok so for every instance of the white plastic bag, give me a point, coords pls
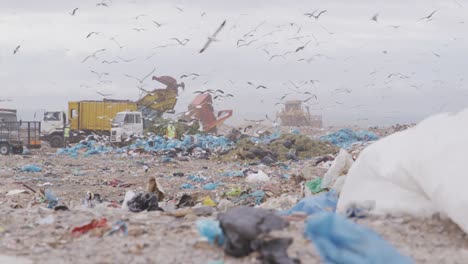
(420, 171)
(339, 167)
(258, 177)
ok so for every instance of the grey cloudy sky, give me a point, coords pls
(351, 55)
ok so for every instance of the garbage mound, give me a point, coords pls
(280, 148)
(346, 137)
(419, 171)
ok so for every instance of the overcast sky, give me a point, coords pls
(349, 54)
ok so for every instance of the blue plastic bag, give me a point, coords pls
(339, 240)
(344, 138)
(211, 230)
(187, 186)
(31, 168)
(324, 202)
(210, 186)
(50, 198)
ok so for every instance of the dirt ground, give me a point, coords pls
(31, 233)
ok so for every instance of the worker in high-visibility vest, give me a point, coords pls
(66, 135)
(171, 131)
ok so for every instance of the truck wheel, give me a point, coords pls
(4, 149)
(56, 141)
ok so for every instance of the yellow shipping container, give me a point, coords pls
(96, 115)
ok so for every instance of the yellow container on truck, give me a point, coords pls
(96, 115)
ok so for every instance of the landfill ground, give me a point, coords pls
(31, 233)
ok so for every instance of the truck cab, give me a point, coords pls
(53, 124)
(126, 124)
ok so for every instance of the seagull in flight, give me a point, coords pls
(93, 33)
(103, 95)
(429, 17)
(213, 37)
(375, 17)
(183, 42)
(74, 11)
(93, 55)
(16, 49)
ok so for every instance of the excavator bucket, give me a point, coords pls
(158, 101)
(201, 109)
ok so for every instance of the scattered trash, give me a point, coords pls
(260, 176)
(211, 230)
(210, 186)
(186, 201)
(283, 202)
(324, 202)
(101, 223)
(207, 201)
(232, 174)
(128, 196)
(31, 168)
(243, 226)
(187, 186)
(50, 198)
(315, 186)
(144, 201)
(61, 208)
(15, 192)
(119, 226)
(275, 250)
(153, 186)
(339, 240)
(257, 196)
(344, 138)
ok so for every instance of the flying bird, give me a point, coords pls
(213, 37)
(102, 3)
(142, 79)
(247, 44)
(375, 17)
(16, 49)
(183, 42)
(139, 29)
(303, 46)
(93, 33)
(109, 62)
(178, 8)
(117, 43)
(188, 75)
(306, 100)
(275, 56)
(316, 16)
(137, 17)
(429, 17)
(103, 95)
(156, 23)
(93, 55)
(261, 87)
(100, 74)
(126, 60)
(74, 11)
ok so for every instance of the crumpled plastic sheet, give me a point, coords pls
(339, 240)
(50, 198)
(144, 201)
(315, 185)
(232, 174)
(211, 230)
(77, 231)
(267, 138)
(323, 202)
(31, 168)
(258, 195)
(119, 226)
(245, 230)
(187, 186)
(210, 186)
(344, 138)
(195, 178)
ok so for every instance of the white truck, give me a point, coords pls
(124, 125)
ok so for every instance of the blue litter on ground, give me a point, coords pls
(232, 174)
(344, 138)
(196, 178)
(211, 230)
(339, 240)
(187, 186)
(323, 202)
(50, 198)
(210, 186)
(31, 168)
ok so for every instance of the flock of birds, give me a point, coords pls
(254, 36)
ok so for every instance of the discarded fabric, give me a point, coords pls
(92, 225)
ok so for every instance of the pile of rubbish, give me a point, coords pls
(275, 148)
(346, 137)
(195, 145)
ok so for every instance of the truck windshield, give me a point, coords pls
(119, 118)
(52, 116)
